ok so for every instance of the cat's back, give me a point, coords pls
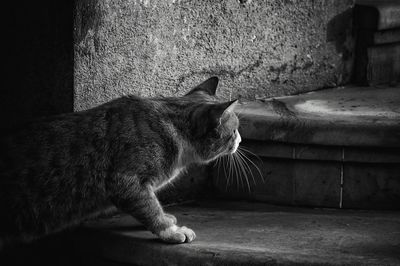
(54, 145)
(52, 130)
(66, 139)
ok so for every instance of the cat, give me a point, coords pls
(60, 170)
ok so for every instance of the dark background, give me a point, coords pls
(37, 81)
(39, 60)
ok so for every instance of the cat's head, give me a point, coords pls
(214, 125)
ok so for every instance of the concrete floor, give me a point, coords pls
(238, 233)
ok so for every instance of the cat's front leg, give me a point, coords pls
(171, 217)
(142, 203)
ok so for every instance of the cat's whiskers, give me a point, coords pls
(225, 164)
(236, 156)
(244, 149)
(235, 168)
(232, 170)
(218, 162)
(246, 166)
(250, 161)
(235, 172)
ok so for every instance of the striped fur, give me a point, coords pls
(57, 171)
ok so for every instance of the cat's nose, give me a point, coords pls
(239, 137)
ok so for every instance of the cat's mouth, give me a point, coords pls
(233, 149)
(235, 145)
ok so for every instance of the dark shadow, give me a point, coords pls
(37, 81)
(58, 249)
(339, 31)
(127, 228)
(39, 61)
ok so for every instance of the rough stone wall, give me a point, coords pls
(258, 48)
(164, 47)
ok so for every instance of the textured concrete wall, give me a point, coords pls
(163, 47)
(258, 49)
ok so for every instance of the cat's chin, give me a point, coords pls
(218, 156)
(214, 158)
(233, 151)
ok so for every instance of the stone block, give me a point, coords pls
(279, 183)
(275, 185)
(317, 183)
(268, 149)
(316, 152)
(285, 182)
(322, 152)
(387, 36)
(372, 155)
(371, 186)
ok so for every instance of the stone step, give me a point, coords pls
(332, 148)
(377, 14)
(344, 116)
(386, 36)
(383, 64)
(377, 50)
(271, 149)
(248, 233)
(315, 183)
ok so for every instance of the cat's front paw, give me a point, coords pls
(176, 234)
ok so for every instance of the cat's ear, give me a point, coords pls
(230, 106)
(224, 109)
(209, 87)
(209, 116)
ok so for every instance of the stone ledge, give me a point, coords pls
(238, 233)
(346, 116)
(282, 150)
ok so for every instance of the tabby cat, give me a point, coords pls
(60, 170)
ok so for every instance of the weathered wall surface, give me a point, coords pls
(163, 47)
